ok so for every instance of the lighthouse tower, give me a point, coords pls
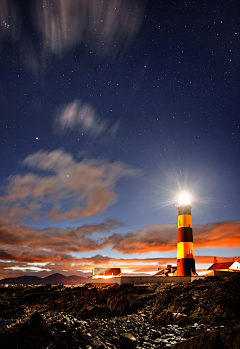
(185, 248)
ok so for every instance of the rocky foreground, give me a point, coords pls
(202, 314)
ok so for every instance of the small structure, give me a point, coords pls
(106, 273)
(223, 269)
(169, 271)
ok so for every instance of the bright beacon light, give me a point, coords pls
(184, 199)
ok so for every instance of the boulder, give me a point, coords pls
(127, 340)
(36, 319)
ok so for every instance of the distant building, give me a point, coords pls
(106, 273)
(221, 269)
(233, 265)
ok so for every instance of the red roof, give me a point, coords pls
(217, 266)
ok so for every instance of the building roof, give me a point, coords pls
(217, 266)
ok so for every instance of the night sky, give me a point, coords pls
(109, 110)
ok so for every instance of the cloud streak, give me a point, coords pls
(82, 117)
(84, 238)
(57, 239)
(10, 20)
(69, 189)
(162, 237)
(16, 261)
(104, 27)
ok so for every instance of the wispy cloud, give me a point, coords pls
(10, 20)
(82, 117)
(158, 237)
(104, 27)
(81, 239)
(69, 189)
(66, 240)
(162, 237)
(13, 261)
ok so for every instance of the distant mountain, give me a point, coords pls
(54, 279)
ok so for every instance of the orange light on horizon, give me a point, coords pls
(103, 276)
(105, 273)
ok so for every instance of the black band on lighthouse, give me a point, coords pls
(185, 234)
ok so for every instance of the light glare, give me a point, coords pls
(184, 199)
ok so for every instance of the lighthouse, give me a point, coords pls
(185, 248)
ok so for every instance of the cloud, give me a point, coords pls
(67, 189)
(82, 117)
(103, 27)
(163, 237)
(11, 254)
(56, 239)
(222, 234)
(40, 242)
(10, 20)
(15, 261)
(158, 237)
(45, 257)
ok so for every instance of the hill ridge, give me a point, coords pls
(55, 279)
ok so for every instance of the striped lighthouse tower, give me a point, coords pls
(185, 248)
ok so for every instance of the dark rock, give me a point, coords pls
(208, 319)
(94, 317)
(98, 344)
(180, 319)
(61, 345)
(164, 318)
(26, 327)
(231, 338)
(127, 340)
(187, 334)
(36, 319)
(210, 340)
(156, 335)
(67, 336)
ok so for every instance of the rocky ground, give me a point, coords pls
(202, 314)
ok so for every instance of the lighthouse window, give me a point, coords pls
(190, 251)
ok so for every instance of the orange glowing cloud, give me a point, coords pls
(223, 234)
(16, 261)
(157, 238)
(162, 237)
(56, 239)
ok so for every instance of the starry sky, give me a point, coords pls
(109, 110)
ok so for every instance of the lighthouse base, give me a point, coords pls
(186, 267)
